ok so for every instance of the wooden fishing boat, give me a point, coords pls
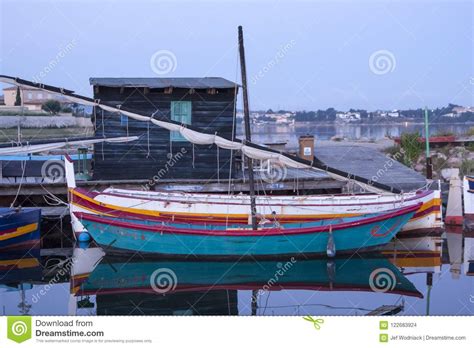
(355, 274)
(341, 235)
(19, 228)
(215, 208)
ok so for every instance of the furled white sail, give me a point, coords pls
(28, 148)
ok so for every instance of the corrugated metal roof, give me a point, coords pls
(153, 82)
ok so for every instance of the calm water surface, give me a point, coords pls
(275, 133)
(416, 276)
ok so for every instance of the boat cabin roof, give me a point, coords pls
(154, 82)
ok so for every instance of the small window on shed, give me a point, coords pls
(180, 112)
(123, 120)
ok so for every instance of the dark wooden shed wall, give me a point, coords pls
(144, 160)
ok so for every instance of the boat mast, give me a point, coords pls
(248, 136)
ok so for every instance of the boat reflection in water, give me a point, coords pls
(418, 255)
(19, 270)
(170, 287)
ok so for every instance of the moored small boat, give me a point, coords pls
(215, 208)
(19, 228)
(342, 235)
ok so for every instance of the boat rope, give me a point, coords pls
(103, 134)
(218, 165)
(147, 138)
(53, 197)
(23, 165)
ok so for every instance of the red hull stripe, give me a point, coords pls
(96, 206)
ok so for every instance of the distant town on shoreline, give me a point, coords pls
(449, 114)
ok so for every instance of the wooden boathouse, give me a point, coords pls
(207, 103)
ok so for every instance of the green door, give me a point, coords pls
(180, 112)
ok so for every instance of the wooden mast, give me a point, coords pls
(248, 136)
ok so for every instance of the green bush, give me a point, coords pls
(412, 148)
(467, 167)
(470, 131)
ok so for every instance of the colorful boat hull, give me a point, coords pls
(217, 208)
(19, 228)
(235, 209)
(344, 236)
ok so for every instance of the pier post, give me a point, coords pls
(454, 214)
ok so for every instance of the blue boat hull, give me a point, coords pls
(359, 237)
(19, 229)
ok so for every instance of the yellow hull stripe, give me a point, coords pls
(20, 263)
(20, 231)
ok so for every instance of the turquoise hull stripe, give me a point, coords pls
(354, 238)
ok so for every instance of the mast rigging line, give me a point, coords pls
(199, 137)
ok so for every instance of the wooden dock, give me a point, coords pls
(370, 164)
(365, 162)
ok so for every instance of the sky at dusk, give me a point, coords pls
(301, 55)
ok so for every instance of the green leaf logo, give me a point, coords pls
(19, 328)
